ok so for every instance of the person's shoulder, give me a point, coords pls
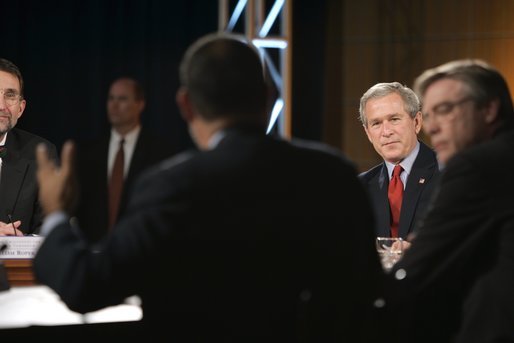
(426, 160)
(495, 148)
(24, 143)
(26, 136)
(322, 152)
(174, 164)
(320, 148)
(22, 140)
(371, 173)
(495, 152)
(426, 151)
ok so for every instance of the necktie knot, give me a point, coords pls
(3, 151)
(397, 170)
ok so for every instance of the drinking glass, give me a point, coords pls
(390, 250)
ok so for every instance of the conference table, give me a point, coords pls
(29, 304)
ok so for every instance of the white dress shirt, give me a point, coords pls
(406, 164)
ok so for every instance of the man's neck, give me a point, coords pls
(205, 131)
(122, 130)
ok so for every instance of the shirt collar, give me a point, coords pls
(406, 163)
(215, 139)
(130, 137)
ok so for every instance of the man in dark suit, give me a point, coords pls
(252, 238)
(20, 212)
(455, 282)
(390, 114)
(142, 149)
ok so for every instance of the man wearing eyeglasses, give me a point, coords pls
(391, 116)
(457, 279)
(20, 212)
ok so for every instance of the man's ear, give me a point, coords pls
(142, 106)
(418, 122)
(23, 103)
(492, 111)
(184, 104)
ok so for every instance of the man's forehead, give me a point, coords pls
(9, 81)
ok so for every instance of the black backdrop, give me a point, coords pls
(70, 50)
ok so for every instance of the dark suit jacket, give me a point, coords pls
(241, 243)
(92, 209)
(418, 191)
(460, 267)
(18, 183)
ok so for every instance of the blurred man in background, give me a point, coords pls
(108, 166)
(455, 282)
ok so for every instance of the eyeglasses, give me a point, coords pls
(11, 96)
(444, 111)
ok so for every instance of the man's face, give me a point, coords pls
(452, 120)
(11, 106)
(391, 130)
(123, 109)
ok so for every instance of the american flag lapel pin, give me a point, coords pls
(421, 180)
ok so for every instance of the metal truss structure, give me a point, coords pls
(268, 24)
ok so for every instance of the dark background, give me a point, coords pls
(69, 51)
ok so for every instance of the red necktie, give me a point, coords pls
(395, 195)
(116, 184)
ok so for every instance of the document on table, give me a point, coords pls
(38, 305)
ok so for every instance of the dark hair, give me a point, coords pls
(483, 81)
(225, 78)
(11, 68)
(139, 91)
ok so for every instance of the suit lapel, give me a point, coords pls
(421, 172)
(12, 177)
(415, 184)
(137, 164)
(138, 157)
(383, 219)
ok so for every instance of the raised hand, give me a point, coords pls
(57, 190)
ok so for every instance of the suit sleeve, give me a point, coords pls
(89, 277)
(428, 285)
(448, 233)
